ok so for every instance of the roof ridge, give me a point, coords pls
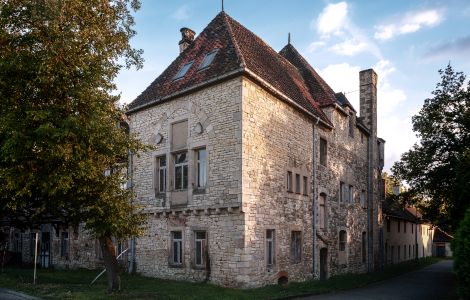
(234, 41)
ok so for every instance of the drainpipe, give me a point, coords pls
(130, 173)
(370, 208)
(314, 194)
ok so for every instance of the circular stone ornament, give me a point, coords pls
(198, 128)
(158, 138)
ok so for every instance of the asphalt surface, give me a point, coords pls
(436, 281)
(12, 295)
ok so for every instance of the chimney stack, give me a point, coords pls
(187, 37)
(368, 99)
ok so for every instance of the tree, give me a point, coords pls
(437, 169)
(60, 125)
(461, 249)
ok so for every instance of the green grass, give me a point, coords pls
(53, 284)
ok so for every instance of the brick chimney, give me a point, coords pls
(368, 99)
(187, 37)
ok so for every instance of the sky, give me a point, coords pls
(405, 42)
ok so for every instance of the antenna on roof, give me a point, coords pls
(288, 38)
(222, 5)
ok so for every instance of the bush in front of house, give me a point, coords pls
(461, 249)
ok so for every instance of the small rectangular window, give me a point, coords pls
(181, 171)
(270, 247)
(341, 191)
(161, 174)
(64, 244)
(176, 247)
(323, 151)
(289, 181)
(207, 59)
(342, 240)
(363, 199)
(296, 244)
(200, 249)
(201, 155)
(322, 212)
(351, 194)
(297, 183)
(305, 185)
(184, 69)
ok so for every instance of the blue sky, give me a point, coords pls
(406, 42)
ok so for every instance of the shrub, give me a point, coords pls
(461, 248)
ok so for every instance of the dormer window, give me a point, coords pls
(208, 59)
(183, 70)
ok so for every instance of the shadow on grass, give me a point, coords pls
(55, 284)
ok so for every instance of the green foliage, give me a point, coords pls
(60, 125)
(461, 253)
(437, 169)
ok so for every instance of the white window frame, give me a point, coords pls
(182, 165)
(162, 173)
(201, 168)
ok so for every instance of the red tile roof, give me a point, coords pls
(241, 52)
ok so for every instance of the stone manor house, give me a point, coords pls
(261, 173)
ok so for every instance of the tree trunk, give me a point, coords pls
(110, 263)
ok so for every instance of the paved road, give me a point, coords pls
(11, 295)
(433, 282)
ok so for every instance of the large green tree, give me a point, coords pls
(60, 126)
(437, 169)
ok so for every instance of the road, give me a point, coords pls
(432, 282)
(12, 295)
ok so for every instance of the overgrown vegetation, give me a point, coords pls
(74, 285)
(461, 251)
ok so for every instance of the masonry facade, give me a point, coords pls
(260, 172)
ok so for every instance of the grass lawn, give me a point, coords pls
(53, 284)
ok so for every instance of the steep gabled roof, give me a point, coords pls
(343, 100)
(441, 236)
(394, 209)
(240, 52)
(319, 89)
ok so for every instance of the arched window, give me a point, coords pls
(342, 240)
(322, 212)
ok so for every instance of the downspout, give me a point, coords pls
(370, 209)
(314, 193)
(130, 172)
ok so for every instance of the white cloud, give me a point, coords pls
(411, 22)
(332, 19)
(350, 47)
(314, 46)
(182, 13)
(343, 78)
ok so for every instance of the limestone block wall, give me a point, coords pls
(277, 139)
(346, 162)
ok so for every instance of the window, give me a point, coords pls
(364, 246)
(398, 225)
(342, 188)
(296, 244)
(323, 151)
(270, 247)
(200, 249)
(305, 185)
(176, 248)
(351, 125)
(322, 212)
(399, 253)
(404, 226)
(208, 59)
(297, 183)
(289, 181)
(388, 225)
(342, 240)
(64, 244)
(184, 69)
(161, 173)
(201, 157)
(363, 199)
(351, 194)
(181, 171)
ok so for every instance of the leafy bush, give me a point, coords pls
(461, 248)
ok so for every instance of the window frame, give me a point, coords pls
(181, 165)
(161, 173)
(342, 244)
(270, 247)
(182, 71)
(178, 242)
(323, 152)
(289, 182)
(206, 58)
(297, 183)
(202, 248)
(201, 165)
(305, 185)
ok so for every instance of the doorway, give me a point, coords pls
(323, 263)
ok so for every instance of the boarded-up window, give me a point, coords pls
(179, 135)
(296, 246)
(323, 152)
(322, 212)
